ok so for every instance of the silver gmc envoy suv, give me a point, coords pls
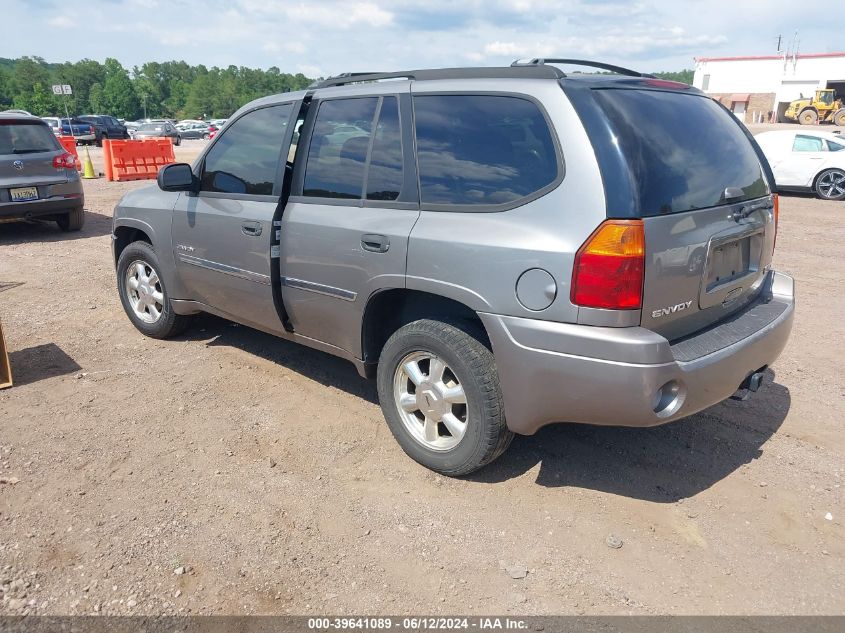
(500, 248)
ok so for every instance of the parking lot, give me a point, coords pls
(227, 471)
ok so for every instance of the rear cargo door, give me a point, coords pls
(27, 150)
(705, 202)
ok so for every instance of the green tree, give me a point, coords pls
(684, 76)
(80, 76)
(28, 73)
(172, 88)
(95, 99)
(119, 96)
(199, 102)
(5, 91)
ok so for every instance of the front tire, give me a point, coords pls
(830, 185)
(808, 117)
(839, 118)
(439, 390)
(73, 220)
(144, 295)
(178, 141)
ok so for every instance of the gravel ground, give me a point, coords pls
(229, 472)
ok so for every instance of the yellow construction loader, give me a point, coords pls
(824, 108)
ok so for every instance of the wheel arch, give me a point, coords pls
(128, 230)
(389, 309)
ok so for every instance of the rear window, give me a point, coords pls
(482, 149)
(682, 151)
(26, 138)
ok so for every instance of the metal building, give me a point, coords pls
(759, 88)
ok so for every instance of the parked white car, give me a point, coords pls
(55, 124)
(806, 161)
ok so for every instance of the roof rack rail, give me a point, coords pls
(351, 78)
(528, 71)
(541, 61)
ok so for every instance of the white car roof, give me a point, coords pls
(830, 136)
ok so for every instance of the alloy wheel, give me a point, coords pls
(831, 184)
(431, 401)
(143, 289)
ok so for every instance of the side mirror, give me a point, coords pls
(176, 177)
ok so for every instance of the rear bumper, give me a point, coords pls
(560, 372)
(36, 208)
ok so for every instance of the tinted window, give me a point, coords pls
(26, 138)
(245, 158)
(834, 147)
(338, 150)
(682, 150)
(384, 175)
(475, 149)
(807, 144)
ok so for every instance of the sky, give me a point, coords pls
(326, 37)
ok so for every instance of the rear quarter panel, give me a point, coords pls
(476, 258)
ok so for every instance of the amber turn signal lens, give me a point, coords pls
(609, 267)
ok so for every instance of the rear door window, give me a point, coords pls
(681, 150)
(384, 174)
(482, 150)
(337, 154)
(804, 143)
(245, 158)
(26, 138)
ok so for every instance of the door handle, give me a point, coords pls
(253, 229)
(375, 243)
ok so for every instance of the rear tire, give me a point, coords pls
(150, 316)
(452, 375)
(102, 138)
(808, 117)
(178, 141)
(830, 184)
(73, 220)
(839, 118)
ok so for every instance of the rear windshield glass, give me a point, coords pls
(26, 138)
(683, 151)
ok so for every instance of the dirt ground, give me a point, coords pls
(229, 472)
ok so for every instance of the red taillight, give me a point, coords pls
(776, 213)
(608, 271)
(64, 161)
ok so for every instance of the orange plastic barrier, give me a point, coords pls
(69, 143)
(136, 160)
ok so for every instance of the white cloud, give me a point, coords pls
(321, 37)
(62, 21)
(341, 15)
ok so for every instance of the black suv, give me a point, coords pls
(106, 127)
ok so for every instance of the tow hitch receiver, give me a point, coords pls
(751, 384)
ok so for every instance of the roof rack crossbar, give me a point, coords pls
(541, 61)
(351, 78)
